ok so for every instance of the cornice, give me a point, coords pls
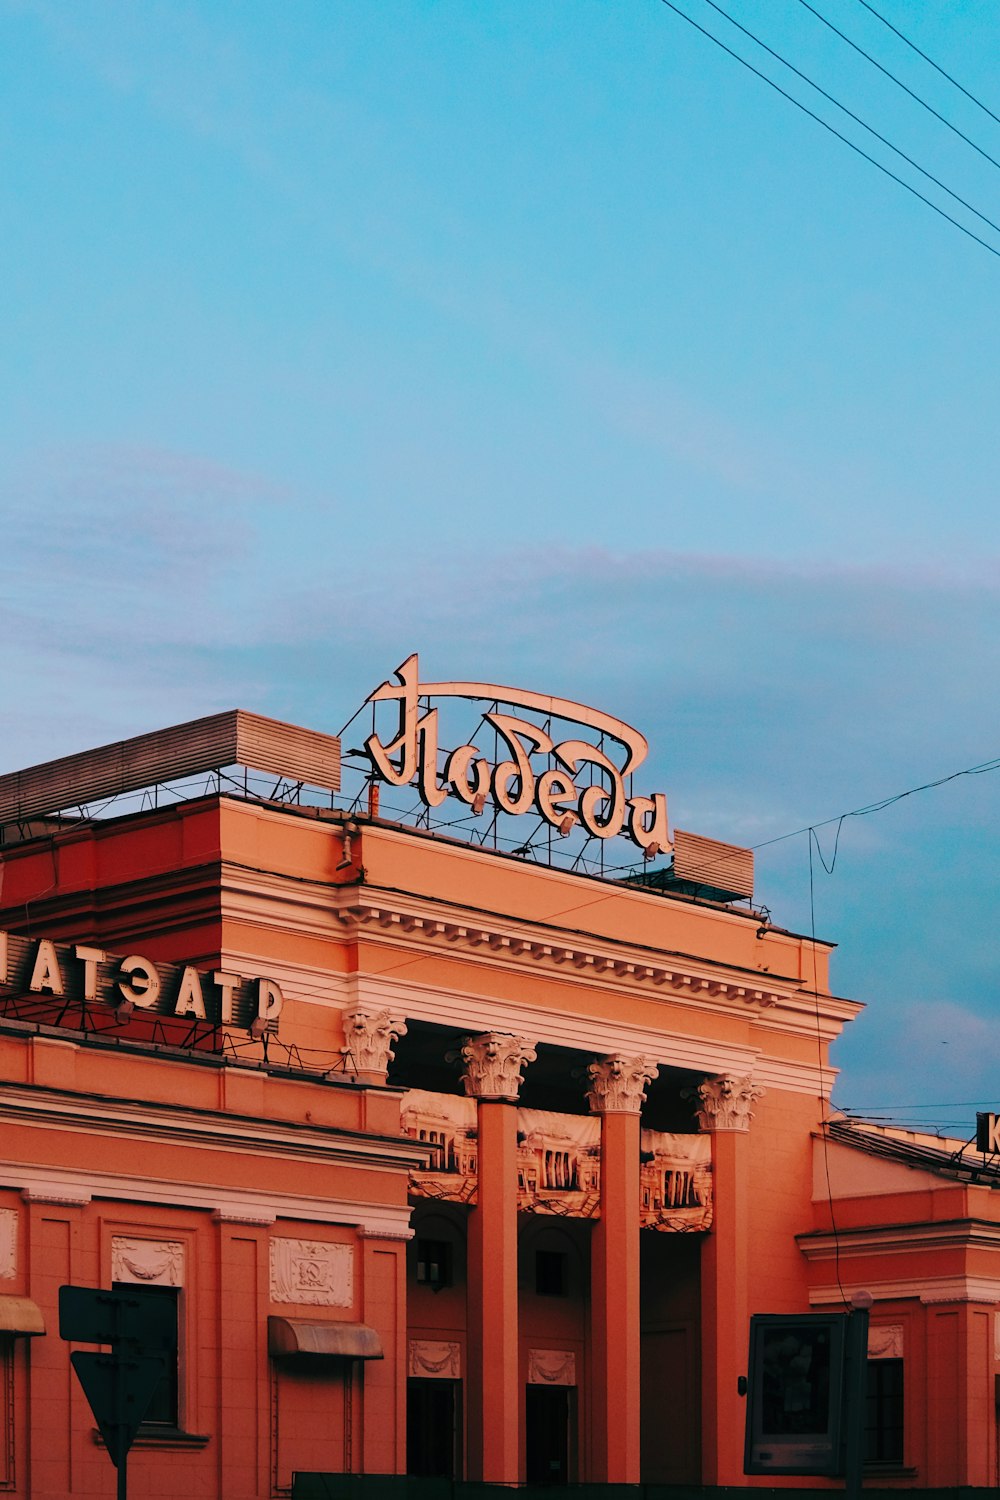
(900, 1239)
(929, 1290)
(229, 1205)
(515, 943)
(51, 1109)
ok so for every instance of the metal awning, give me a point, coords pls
(286, 1336)
(21, 1315)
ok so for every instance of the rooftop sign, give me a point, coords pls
(568, 782)
(72, 974)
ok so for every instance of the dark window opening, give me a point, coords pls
(434, 1428)
(884, 1424)
(434, 1263)
(550, 1273)
(164, 1407)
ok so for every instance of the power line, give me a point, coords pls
(833, 131)
(930, 60)
(850, 113)
(874, 807)
(900, 84)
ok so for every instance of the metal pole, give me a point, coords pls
(118, 1355)
(855, 1395)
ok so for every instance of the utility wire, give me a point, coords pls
(850, 113)
(833, 131)
(930, 60)
(900, 84)
(874, 807)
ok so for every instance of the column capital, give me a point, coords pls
(618, 1084)
(725, 1103)
(493, 1063)
(370, 1037)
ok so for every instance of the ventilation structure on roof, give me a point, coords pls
(232, 738)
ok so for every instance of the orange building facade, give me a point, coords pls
(446, 1161)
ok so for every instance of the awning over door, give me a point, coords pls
(21, 1315)
(287, 1336)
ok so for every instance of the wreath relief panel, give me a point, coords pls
(147, 1262)
(312, 1272)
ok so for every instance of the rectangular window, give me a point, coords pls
(550, 1273)
(433, 1263)
(884, 1425)
(160, 1305)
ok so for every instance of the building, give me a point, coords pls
(439, 1158)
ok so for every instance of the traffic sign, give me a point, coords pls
(89, 1315)
(119, 1391)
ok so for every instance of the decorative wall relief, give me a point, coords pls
(675, 1181)
(8, 1243)
(435, 1360)
(312, 1272)
(558, 1164)
(147, 1262)
(551, 1367)
(885, 1341)
(447, 1122)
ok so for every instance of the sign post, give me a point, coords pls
(119, 1386)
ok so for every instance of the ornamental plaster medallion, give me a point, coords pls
(725, 1103)
(551, 1367)
(147, 1262)
(885, 1341)
(435, 1360)
(312, 1272)
(8, 1243)
(493, 1064)
(618, 1084)
(370, 1040)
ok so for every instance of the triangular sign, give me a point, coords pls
(119, 1391)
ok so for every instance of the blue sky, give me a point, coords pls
(547, 341)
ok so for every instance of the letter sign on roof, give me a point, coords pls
(583, 783)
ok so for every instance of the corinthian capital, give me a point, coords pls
(370, 1038)
(493, 1063)
(725, 1103)
(618, 1084)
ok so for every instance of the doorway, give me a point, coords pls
(434, 1428)
(547, 1425)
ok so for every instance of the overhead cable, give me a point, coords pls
(833, 131)
(879, 17)
(900, 84)
(850, 113)
(874, 807)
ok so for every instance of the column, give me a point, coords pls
(493, 1064)
(725, 1111)
(617, 1090)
